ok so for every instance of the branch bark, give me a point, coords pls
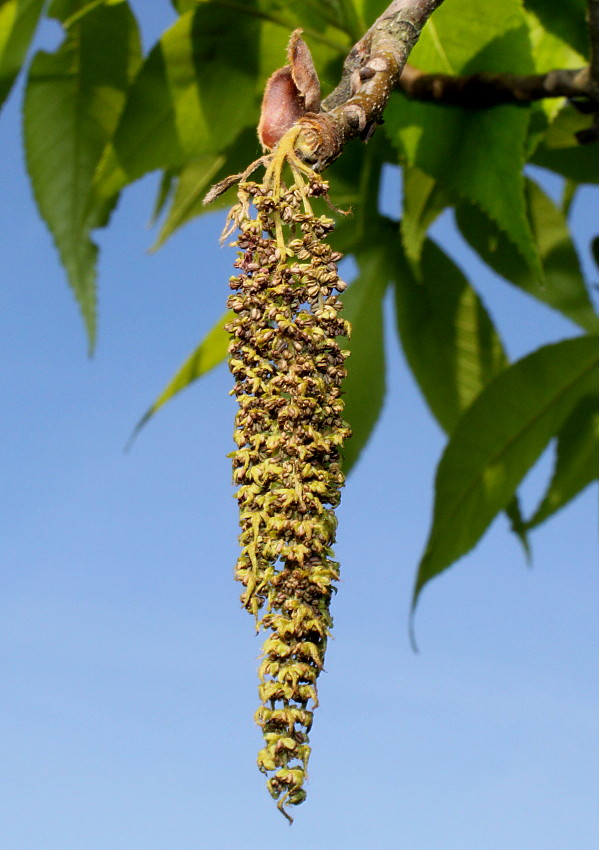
(370, 73)
(593, 21)
(478, 91)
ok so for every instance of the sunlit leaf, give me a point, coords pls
(18, 22)
(450, 342)
(498, 439)
(164, 194)
(73, 100)
(424, 198)
(577, 463)
(191, 98)
(446, 333)
(563, 287)
(550, 39)
(364, 387)
(476, 153)
(560, 151)
(564, 20)
(192, 183)
(199, 87)
(193, 180)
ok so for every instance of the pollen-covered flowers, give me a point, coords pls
(288, 368)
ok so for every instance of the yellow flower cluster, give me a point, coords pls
(288, 368)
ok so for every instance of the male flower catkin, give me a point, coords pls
(288, 369)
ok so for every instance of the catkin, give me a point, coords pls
(288, 368)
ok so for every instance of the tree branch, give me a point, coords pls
(378, 63)
(481, 90)
(593, 21)
(371, 71)
(592, 72)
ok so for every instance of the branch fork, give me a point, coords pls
(376, 66)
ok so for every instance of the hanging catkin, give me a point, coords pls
(288, 368)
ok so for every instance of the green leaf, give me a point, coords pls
(551, 48)
(563, 287)
(184, 5)
(476, 153)
(565, 21)
(559, 150)
(446, 334)
(450, 343)
(496, 442)
(424, 199)
(370, 9)
(18, 22)
(351, 20)
(518, 526)
(195, 178)
(569, 190)
(351, 181)
(73, 99)
(577, 463)
(210, 352)
(193, 95)
(164, 193)
(364, 387)
(192, 183)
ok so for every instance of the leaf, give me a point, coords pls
(450, 343)
(476, 153)
(364, 387)
(423, 201)
(559, 150)
(577, 463)
(164, 193)
(446, 334)
(563, 287)
(551, 48)
(184, 5)
(350, 19)
(195, 178)
(192, 183)
(354, 180)
(569, 190)
(518, 526)
(192, 96)
(496, 442)
(210, 352)
(73, 99)
(565, 21)
(371, 9)
(18, 22)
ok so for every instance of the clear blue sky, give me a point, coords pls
(128, 670)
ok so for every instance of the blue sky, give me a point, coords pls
(128, 669)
